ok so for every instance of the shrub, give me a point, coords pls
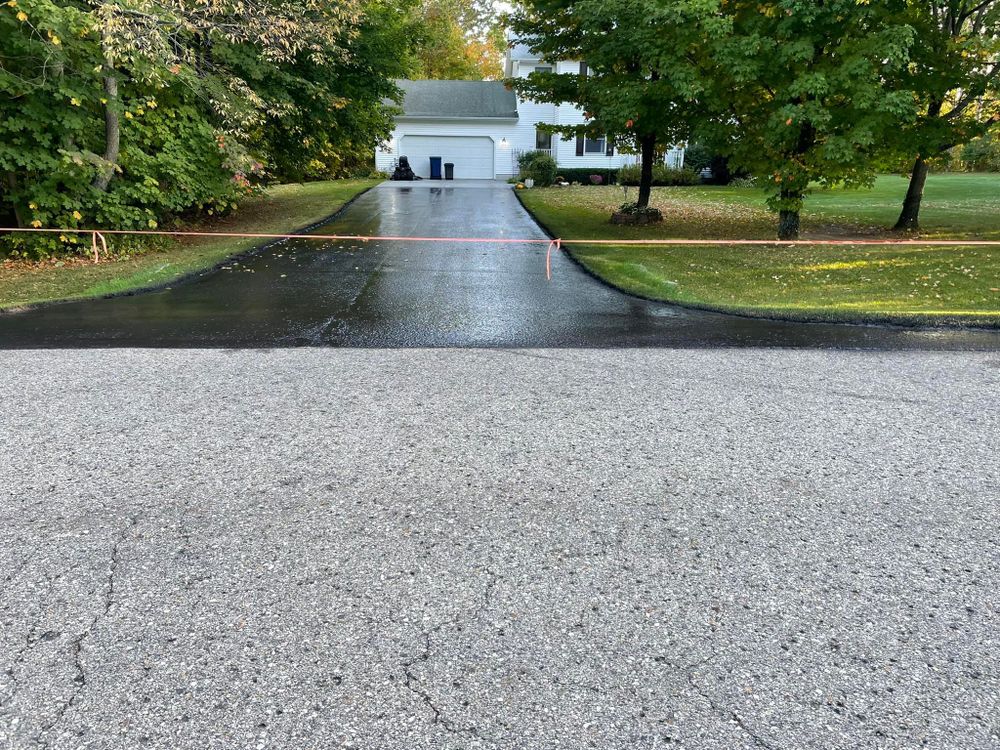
(663, 176)
(667, 176)
(537, 166)
(632, 213)
(981, 155)
(697, 156)
(629, 175)
(583, 174)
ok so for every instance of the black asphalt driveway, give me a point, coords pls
(418, 294)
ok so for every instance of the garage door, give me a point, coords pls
(472, 155)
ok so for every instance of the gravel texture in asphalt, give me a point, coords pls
(406, 549)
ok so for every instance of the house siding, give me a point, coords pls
(513, 137)
(564, 149)
(387, 155)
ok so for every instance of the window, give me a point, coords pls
(543, 68)
(595, 145)
(543, 140)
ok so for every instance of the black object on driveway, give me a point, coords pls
(403, 172)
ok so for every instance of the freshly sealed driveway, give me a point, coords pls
(510, 549)
(406, 294)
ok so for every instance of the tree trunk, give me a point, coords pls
(648, 149)
(909, 219)
(112, 134)
(788, 219)
(11, 180)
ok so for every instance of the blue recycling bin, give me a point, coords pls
(435, 167)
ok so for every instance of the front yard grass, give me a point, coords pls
(908, 285)
(282, 209)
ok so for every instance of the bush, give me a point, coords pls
(981, 155)
(629, 175)
(663, 176)
(583, 174)
(633, 213)
(537, 166)
(697, 156)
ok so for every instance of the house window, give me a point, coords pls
(543, 140)
(595, 145)
(543, 68)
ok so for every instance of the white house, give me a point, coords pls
(481, 127)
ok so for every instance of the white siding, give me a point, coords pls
(472, 155)
(501, 132)
(566, 114)
(511, 137)
(563, 149)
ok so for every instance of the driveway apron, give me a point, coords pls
(416, 294)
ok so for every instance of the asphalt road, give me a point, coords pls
(424, 294)
(704, 549)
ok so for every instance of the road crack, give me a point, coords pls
(728, 713)
(412, 682)
(108, 599)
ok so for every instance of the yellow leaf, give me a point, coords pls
(36, 223)
(22, 16)
(77, 215)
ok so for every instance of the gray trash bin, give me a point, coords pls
(449, 171)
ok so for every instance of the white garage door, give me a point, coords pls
(471, 155)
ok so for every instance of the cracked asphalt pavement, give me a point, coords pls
(660, 548)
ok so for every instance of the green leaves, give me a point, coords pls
(456, 40)
(642, 85)
(207, 93)
(803, 92)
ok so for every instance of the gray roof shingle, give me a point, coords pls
(458, 99)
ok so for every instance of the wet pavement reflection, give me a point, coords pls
(396, 294)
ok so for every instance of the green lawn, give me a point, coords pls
(284, 208)
(922, 285)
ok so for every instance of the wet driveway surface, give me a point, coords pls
(419, 294)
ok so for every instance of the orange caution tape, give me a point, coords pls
(553, 244)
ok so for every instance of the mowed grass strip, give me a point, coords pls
(911, 285)
(282, 209)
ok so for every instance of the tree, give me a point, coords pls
(327, 113)
(125, 112)
(954, 72)
(154, 39)
(799, 92)
(638, 83)
(457, 40)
